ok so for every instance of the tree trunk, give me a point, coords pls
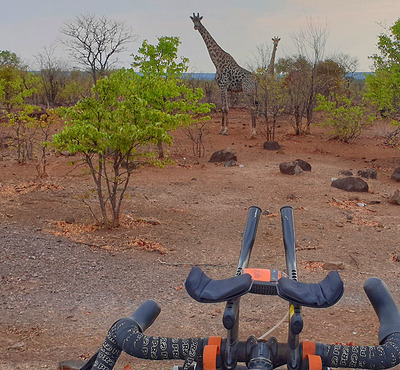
(97, 177)
(160, 149)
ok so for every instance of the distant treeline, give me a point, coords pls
(210, 76)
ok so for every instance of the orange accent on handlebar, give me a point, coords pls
(261, 274)
(210, 357)
(210, 352)
(314, 362)
(308, 349)
(215, 341)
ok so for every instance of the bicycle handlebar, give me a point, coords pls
(125, 335)
(225, 353)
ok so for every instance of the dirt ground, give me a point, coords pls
(64, 282)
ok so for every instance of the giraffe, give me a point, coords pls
(271, 65)
(229, 76)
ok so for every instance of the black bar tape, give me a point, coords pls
(384, 356)
(139, 345)
(109, 351)
(125, 336)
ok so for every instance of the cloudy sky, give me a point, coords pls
(27, 27)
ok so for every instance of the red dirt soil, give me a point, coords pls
(64, 284)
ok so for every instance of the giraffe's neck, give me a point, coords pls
(217, 54)
(271, 65)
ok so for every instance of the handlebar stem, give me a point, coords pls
(262, 354)
(231, 322)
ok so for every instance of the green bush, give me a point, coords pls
(347, 119)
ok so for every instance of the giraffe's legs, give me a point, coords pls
(254, 112)
(224, 126)
(253, 123)
(225, 110)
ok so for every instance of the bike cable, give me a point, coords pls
(274, 327)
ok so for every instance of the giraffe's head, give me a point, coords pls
(196, 20)
(276, 40)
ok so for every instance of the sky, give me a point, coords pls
(29, 27)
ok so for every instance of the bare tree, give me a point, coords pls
(348, 63)
(310, 44)
(298, 78)
(261, 58)
(94, 42)
(53, 74)
(311, 41)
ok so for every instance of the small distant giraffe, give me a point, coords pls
(271, 65)
(229, 76)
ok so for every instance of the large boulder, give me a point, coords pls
(396, 174)
(224, 155)
(295, 167)
(351, 184)
(290, 168)
(271, 145)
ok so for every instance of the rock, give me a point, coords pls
(271, 145)
(70, 365)
(225, 155)
(230, 163)
(345, 173)
(290, 168)
(370, 173)
(351, 184)
(396, 174)
(295, 167)
(70, 220)
(395, 198)
(375, 202)
(305, 166)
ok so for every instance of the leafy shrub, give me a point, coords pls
(347, 119)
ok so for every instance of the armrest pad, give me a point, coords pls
(203, 289)
(321, 295)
